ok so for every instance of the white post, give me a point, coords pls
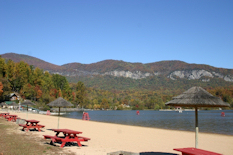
(196, 126)
(58, 122)
(58, 118)
(19, 106)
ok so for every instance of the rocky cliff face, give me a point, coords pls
(185, 74)
(190, 75)
(198, 74)
(128, 74)
(204, 75)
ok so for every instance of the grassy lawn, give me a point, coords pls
(12, 143)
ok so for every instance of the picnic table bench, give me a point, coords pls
(68, 136)
(53, 138)
(11, 118)
(32, 124)
(195, 151)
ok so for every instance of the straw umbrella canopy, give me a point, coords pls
(2, 104)
(60, 102)
(196, 97)
(27, 102)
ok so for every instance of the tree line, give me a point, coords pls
(42, 87)
(37, 85)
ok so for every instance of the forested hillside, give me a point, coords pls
(32, 61)
(99, 91)
(120, 75)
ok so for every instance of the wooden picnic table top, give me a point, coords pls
(67, 131)
(13, 115)
(32, 121)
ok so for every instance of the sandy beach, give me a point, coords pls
(107, 137)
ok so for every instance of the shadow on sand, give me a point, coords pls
(68, 144)
(141, 153)
(156, 153)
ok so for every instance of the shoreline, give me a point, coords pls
(150, 127)
(112, 137)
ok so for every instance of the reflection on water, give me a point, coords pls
(209, 121)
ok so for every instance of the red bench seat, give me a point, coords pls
(64, 140)
(38, 126)
(195, 151)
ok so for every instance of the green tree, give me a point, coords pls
(28, 91)
(1, 88)
(11, 74)
(47, 82)
(60, 82)
(21, 76)
(6, 88)
(3, 67)
(80, 93)
(37, 76)
(104, 104)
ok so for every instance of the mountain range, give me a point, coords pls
(115, 74)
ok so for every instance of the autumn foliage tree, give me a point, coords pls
(80, 93)
(32, 83)
(1, 88)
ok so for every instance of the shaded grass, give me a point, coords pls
(12, 143)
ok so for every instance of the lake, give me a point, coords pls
(210, 121)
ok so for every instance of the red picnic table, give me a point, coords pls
(4, 114)
(32, 124)
(68, 136)
(195, 151)
(12, 118)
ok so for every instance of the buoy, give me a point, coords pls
(137, 112)
(85, 116)
(48, 112)
(223, 114)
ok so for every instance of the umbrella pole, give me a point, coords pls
(196, 127)
(58, 118)
(27, 111)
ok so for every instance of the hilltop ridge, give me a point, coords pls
(95, 74)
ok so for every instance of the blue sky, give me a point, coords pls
(66, 31)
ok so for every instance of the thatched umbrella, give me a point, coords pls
(2, 104)
(27, 102)
(196, 97)
(60, 102)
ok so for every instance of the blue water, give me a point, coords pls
(209, 121)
